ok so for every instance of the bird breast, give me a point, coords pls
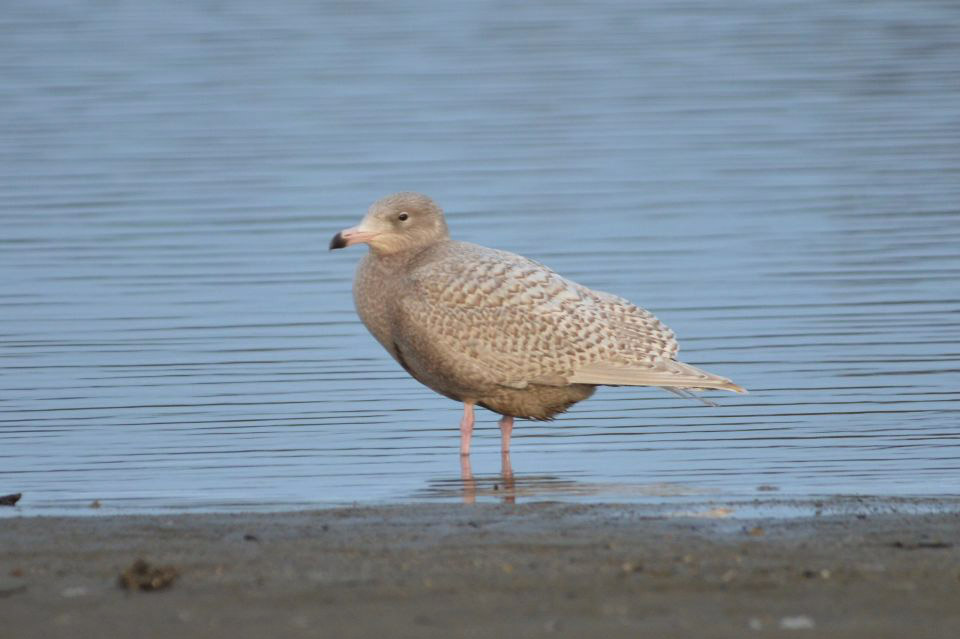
(372, 288)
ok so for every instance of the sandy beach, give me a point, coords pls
(861, 568)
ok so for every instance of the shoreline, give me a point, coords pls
(659, 501)
(863, 568)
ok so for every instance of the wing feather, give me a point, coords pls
(666, 373)
(492, 317)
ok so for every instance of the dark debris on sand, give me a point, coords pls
(10, 500)
(142, 575)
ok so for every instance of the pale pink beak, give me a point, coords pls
(348, 237)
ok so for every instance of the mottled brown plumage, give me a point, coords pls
(493, 328)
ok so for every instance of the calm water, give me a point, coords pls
(779, 182)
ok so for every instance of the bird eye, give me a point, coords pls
(403, 217)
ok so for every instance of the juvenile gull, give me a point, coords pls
(494, 329)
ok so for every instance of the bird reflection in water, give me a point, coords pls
(506, 489)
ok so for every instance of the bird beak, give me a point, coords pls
(350, 236)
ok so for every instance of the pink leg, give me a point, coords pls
(509, 485)
(506, 427)
(469, 485)
(466, 428)
(506, 468)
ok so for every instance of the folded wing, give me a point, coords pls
(499, 318)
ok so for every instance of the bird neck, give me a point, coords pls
(397, 257)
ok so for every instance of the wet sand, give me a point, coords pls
(858, 569)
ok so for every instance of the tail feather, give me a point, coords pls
(685, 394)
(669, 374)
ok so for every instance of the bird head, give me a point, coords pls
(398, 222)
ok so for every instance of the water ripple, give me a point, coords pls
(778, 186)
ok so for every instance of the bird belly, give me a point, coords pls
(535, 401)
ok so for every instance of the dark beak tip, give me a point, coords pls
(337, 242)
